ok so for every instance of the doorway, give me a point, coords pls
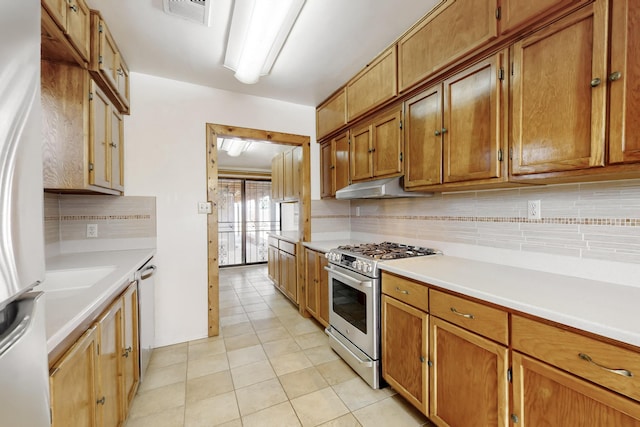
(246, 214)
(213, 132)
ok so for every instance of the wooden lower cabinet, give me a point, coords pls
(404, 351)
(468, 378)
(273, 264)
(94, 382)
(72, 384)
(288, 275)
(546, 396)
(316, 295)
(110, 410)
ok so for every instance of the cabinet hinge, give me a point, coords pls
(514, 418)
(510, 375)
(512, 69)
(97, 345)
(99, 28)
(500, 155)
(498, 13)
(501, 74)
(429, 363)
(90, 167)
(510, 153)
(100, 59)
(400, 124)
(400, 156)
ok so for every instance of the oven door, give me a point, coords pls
(354, 306)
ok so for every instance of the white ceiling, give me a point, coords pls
(256, 159)
(330, 42)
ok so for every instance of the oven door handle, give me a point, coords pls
(350, 280)
(368, 362)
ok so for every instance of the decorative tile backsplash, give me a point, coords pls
(67, 216)
(590, 221)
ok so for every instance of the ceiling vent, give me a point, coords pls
(193, 10)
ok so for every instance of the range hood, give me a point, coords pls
(386, 188)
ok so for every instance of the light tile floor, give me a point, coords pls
(269, 367)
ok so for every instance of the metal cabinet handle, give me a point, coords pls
(444, 130)
(623, 372)
(101, 401)
(436, 133)
(402, 291)
(465, 315)
(615, 76)
(73, 7)
(120, 72)
(596, 82)
(126, 351)
(113, 145)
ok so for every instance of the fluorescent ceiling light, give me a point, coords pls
(233, 147)
(258, 31)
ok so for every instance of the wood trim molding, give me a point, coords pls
(304, 226)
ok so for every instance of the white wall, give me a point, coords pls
(165, 152)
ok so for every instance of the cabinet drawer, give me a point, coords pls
(413, 293)
(273, 242)
(288, 247)
(603, 363)
(490, 322)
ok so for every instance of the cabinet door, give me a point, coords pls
(472, 117)
(122, 73)
(557, 101)
(73, 384)
(110, 410)
(323, 290)
(449, 32)
(387, 145)
(515, 14)
(624, 75)
(273, 265)
(287, 174)
(311, 282)
(331, 114)
(360, 153)
(545, 396)
(292, 277)
(340, 155)
(423, 138)
(374, 85)
(297, 173)
(277, 184)
(130, 350)
(326, 170)
(117, 151)
(469, 378)
(99, 144)
(79, 27)
(58, 10)
(108, 56)
(404, 351)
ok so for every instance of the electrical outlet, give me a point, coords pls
(357, 210)
(92, 230)
(533, 209)
(204, 207)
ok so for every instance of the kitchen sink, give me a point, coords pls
(74, 279)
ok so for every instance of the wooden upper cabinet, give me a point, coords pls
(472, 122)
(277, 177)
(107, 66)
(331, 115)
(558, 98)
(65, 31)
(423, 138)
(376, 147)
(334, 165)
(516, 14)
(361, 167)
(387, 144)
(375, 84)
(624, 75)
(453, 29)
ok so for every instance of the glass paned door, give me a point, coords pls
(245, 215)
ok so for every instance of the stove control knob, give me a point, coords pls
(327, 255)
(356, 265)
(366, 268)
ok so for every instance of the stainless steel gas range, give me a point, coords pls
(354, 302)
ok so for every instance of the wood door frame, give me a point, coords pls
(304, 226)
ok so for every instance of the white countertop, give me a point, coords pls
(66, 310)
(289, 236)
(606, 309)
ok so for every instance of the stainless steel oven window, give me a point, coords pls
(350, 304)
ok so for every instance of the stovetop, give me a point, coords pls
(364, 257)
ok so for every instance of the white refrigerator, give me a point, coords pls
(24, 385)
